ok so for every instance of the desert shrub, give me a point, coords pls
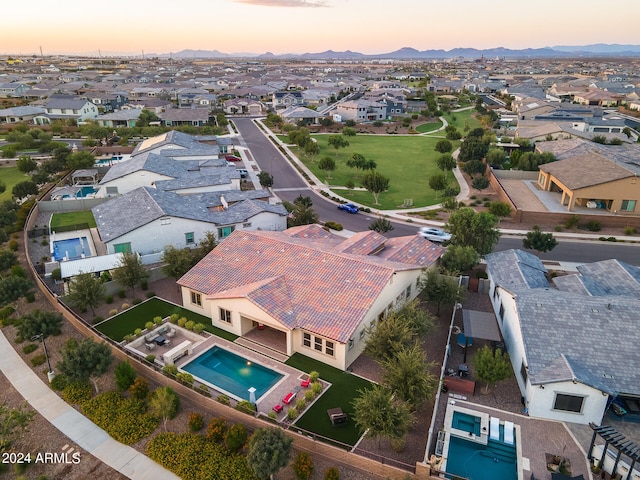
(629, 230)
(13, 245)
(204, 390)
(331, 473)
(144, 284)
(135, 301)
(125, 375)
(59, 382)
(38, 360)
(113, 312)
(223, 399)
(77, 393)
(558, 228)
(149, 326)
(122, 293)
(314, 376)
(150, 358)
(303, 466)
(137, 332)
(125, 419)
(292, 413)
(216, 430)
(189, 325)
(150, 294)
(334, 226)
(182, 321)
(309, 395)
(196, 422)
(236, 437)
(572, 222)
(170, 370)
(480, 183)
(247, 407)
(594, 226)
(30, 297)
(300, 404)
(139, 389)
(27, 349)
(6, 312)
(316, 387)
(124, 306)
(185, 377)
(398, 444)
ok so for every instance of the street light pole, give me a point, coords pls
(50, 373)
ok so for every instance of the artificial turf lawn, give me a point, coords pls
(344, 389)
(73, 218)
(408, 162)
(136, 317)
(10, 176)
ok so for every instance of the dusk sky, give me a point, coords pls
(299, 26)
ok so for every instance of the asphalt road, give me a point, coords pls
(288, 185)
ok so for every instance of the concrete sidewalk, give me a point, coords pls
(75, 426)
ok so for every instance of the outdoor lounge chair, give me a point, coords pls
(150, 346)
(305, 383)
(171, 333)
(494, 428)
(288, 398)
(508, 432)
(337, 416)
(277, 408)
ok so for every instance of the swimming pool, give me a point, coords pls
(72, 248)
(476, 461)
(232, 373)
(86, 191)
(466, 423)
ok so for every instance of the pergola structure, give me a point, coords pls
(615, 439)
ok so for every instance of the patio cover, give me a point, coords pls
(479, 324)
(72, 268)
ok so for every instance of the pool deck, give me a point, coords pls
(558, 439)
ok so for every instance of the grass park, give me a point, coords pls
(10, 176)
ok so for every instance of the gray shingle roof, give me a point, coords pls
(529, 272)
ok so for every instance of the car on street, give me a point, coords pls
(232, 158)
(349, 207)
(434, 234)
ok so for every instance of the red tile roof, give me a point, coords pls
(304, 282)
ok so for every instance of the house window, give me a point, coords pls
(122, 247)
(188, 238)
(523, 372)
(399, 299)
(407, 292)
(306, 339)
(628, 205)
(363, 332)
(501, 312)
(328, 348)
(318, 343)
(196, 299)
(225, 315)
(224, 232)
(165, 221)
(350, 344)
(568, 403)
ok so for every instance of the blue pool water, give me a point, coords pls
(73, 248)
(232, 373)
(475, 461)
(465, 422)
(86, 191)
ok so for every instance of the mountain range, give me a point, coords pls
(408, 53)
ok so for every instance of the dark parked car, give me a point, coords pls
(348, 207)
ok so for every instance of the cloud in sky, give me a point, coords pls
(286, 3)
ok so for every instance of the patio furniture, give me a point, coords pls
(160, 340)
(337, 416)
(494, 428)
(277, 408)
(463, 370)
(171, 333)
(288, 398)
(305, 383)
(508, 432)
(150, 346)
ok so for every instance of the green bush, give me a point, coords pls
(316, 387)
(189, 325)
(6, 312)
(309, 395)
(236, 437)
(558, 228)
(572, 222)
(77, 393)
(59, 382)
(331, 473)
(204, 390)
(174, 318)
(185, 378)
(247, 407)
(629, 230)
(199, 328)
(96, 320)
(125, 375)
(314, 376)
(27, 349)
(135, 301)
(139, 390)
(150, 358)
(13, 245)
(292, 413)
(157, 320)
(137, 332)
(144, 285)
(303, 466)
(216, 430)
(196, 422)
(223, 399)
(594, 226)
(170, 370)
(301, 403)
(334, 226)
(38, 360)
(149, 326)
(150, 294)
(122, 293)
(182, 321)
(125, 419)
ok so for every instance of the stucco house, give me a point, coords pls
(573, 343)
(312, 291)
(146, 220)
(362, 111)
(67, 107)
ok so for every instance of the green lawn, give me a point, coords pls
(464, 120)
(10, 176)
(343, 391)
(72, 218)
(428, 127)
(136, 317)
(408, 162)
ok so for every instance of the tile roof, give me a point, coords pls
(303, 283)
(586, 170)
(512, 269)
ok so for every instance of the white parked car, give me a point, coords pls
(434, 234)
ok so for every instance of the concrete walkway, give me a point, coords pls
(79, 429)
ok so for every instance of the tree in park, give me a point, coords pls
(85, 360)
(327, 164)
(383, 415)
(349, 132)
(268, 451)
(474, 167)
(266, 179)
(491, 366)
(359, 162)
(477, 230)
(443, 146)
(312, 149)
(376, 183)
(85, 291)
(177, 261)
(12, 288)
(125, 376)
(24, 189)
(337, 142)
(459, 259)
(440, 289)
(130, 271)
(446, 162)
(438, 182)
(381, 225)
(39, 322)
(13, 421)
(26, 164)
(496, 156)
(500, 210)
(473, 148)
(80, 160)
(539, 241)
(164, 404)
(408, 375)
